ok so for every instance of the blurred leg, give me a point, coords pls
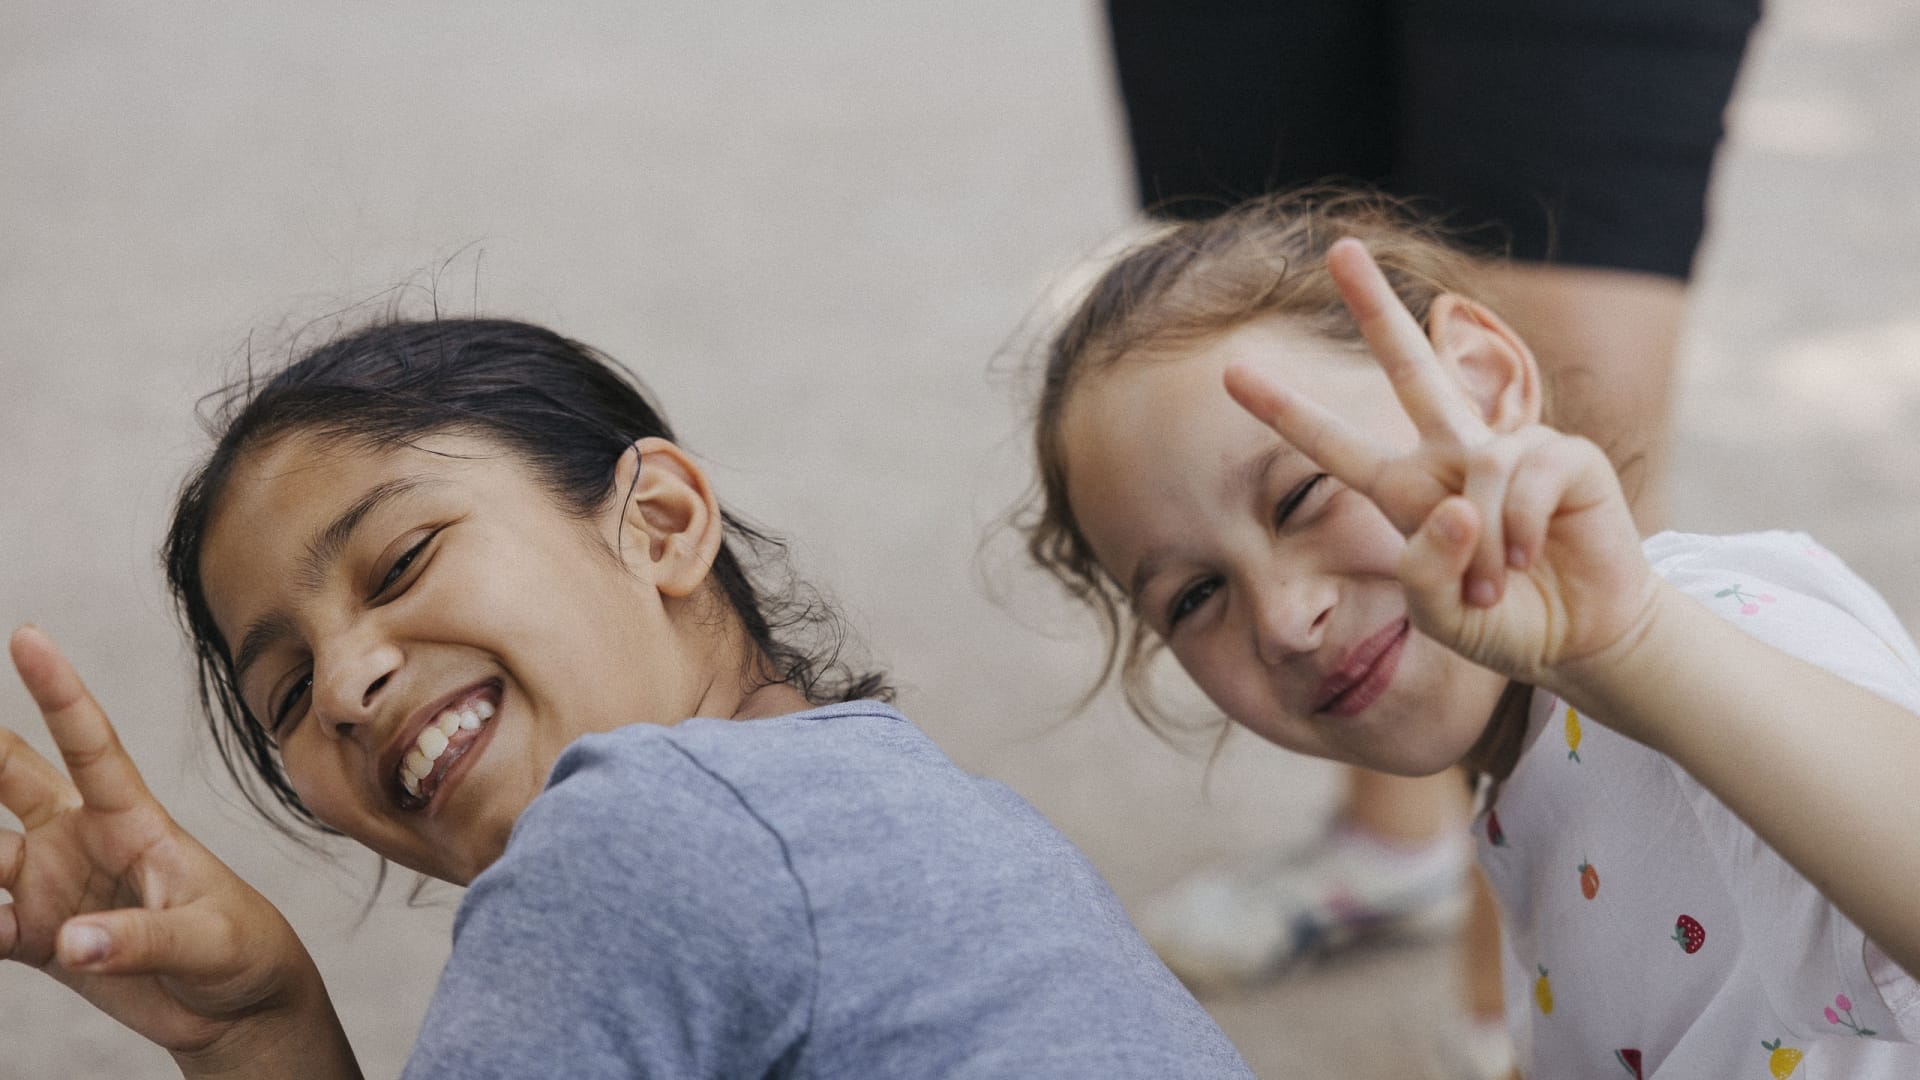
(1229, 99)
(1405, 810)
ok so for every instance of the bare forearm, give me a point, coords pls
(1825, 772)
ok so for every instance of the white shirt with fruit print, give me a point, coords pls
(1647, 931)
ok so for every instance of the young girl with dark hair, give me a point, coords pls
(457, 594)
(1696, 754)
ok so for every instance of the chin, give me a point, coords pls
(1424, 755)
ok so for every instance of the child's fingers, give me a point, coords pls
(1400, 344)
(9, 931)
(1539, 482)
(31, 787)
(1489, 467)
(99, 766)
(1436, 556)
(13, 847)
(190, 941)
(1329, 441)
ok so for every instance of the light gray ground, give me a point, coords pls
(823, 236)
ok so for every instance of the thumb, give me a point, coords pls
(1433, 567)
(186, 942)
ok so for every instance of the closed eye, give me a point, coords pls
(1295, 498)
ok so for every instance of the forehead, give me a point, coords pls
(1147, 411)
(281, 495)
(1154, 446)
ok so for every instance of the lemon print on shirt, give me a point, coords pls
(1783, 1060)
(1573, 734)
(1543, 993)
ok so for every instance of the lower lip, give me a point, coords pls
(1357, 698)
(458, 769)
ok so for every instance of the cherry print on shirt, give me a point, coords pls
(1844, 1017)
(1749, 602)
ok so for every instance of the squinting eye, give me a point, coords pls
(284, 710)
(400, 564)
(1190, 599)
(1295, 498)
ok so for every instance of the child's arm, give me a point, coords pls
(1522, 557)
(115, 900)
(1825, 772)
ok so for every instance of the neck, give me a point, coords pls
(771, 699)
(744, 686)
(1498, 749)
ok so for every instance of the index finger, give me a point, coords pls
(1400, 345)
(97, 763)
(1326, 439)
(30, 787)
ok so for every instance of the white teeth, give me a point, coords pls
(433, 743)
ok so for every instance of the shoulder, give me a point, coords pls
(639, 922)
(631, 823)
(1788, 590)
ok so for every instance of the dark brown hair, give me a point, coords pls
(566, 411)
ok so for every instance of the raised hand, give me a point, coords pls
(114, 899)
(1521, 553)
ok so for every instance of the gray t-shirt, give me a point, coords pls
(816, 895)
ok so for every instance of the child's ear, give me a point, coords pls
(669, 521)
(1493, 365)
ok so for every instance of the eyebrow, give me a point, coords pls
(325, 547)
(1244, 480)
(1247, 479)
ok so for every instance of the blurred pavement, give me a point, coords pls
(824, 239)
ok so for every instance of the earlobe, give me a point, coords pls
(1493, 364)
(669, 519)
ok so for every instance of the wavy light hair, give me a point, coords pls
(1180, 287)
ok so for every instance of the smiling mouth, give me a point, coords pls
(1366, 674)
(441, 743)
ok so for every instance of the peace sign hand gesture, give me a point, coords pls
(115, 900)
(1521, 554)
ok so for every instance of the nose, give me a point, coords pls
(1290, 616)
(348, 679)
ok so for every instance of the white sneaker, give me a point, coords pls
(1472, 1051)
(1230, 928)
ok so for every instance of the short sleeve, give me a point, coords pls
(1788, 591)
(642, 922)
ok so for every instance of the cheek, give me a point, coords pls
(1225, 669)
(320, 782)
(1363, 533)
